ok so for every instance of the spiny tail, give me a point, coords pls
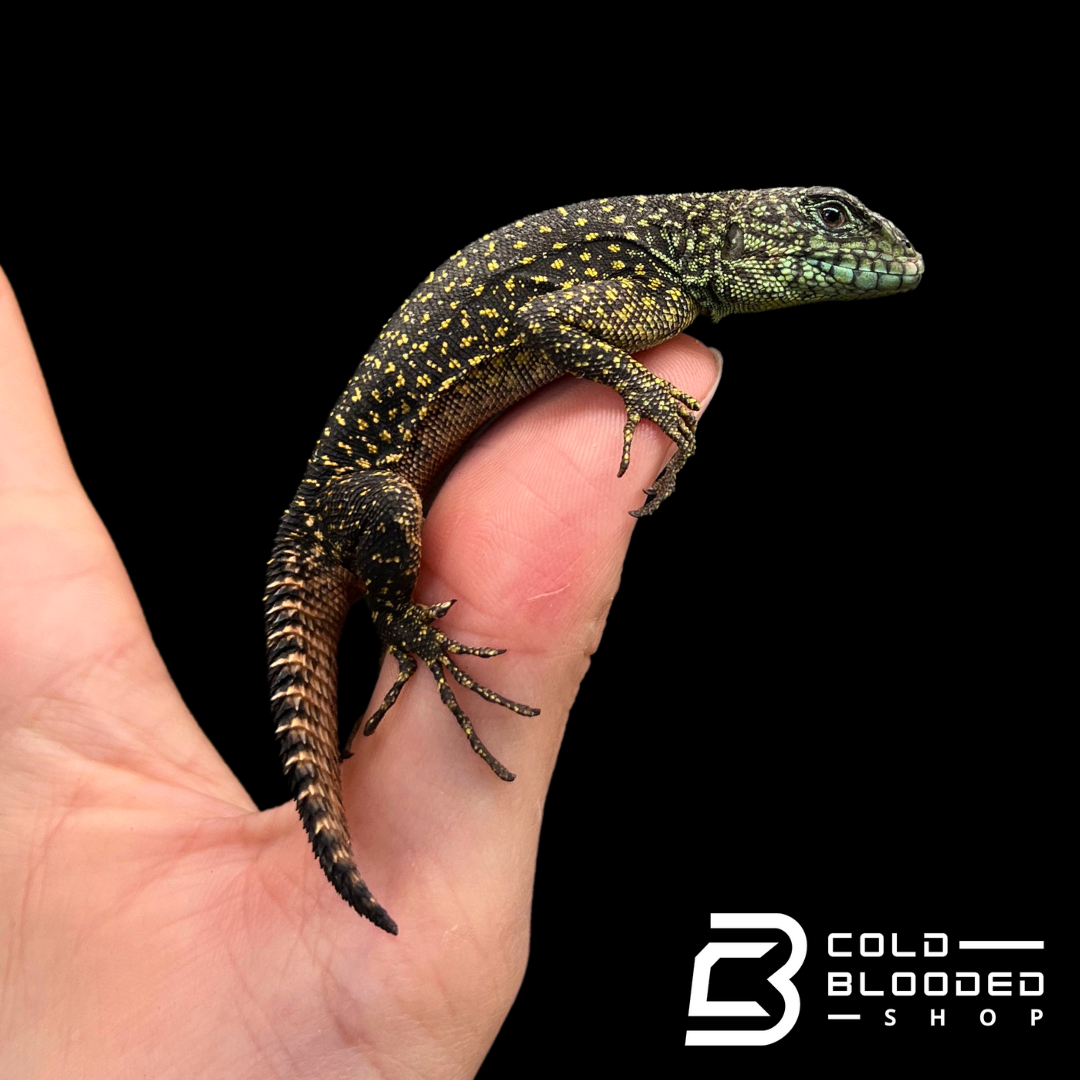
(307, 598)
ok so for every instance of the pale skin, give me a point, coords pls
(152, 921)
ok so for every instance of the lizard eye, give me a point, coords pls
(833, 215)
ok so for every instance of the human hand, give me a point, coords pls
(154, 922)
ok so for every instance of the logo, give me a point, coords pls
(736, 952)
(864, 990)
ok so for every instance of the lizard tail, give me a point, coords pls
(307, 598)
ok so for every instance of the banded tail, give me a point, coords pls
(307, 598)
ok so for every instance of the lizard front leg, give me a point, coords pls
(373, 521)
(590, 330)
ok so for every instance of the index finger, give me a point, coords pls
(32, 451)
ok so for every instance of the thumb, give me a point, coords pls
(528, 533)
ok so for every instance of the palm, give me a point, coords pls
(153, 918)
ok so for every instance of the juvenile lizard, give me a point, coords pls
(575, 290)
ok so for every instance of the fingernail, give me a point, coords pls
(716, 382)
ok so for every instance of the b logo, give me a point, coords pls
(716, 951)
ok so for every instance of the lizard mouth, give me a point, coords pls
(870, 275)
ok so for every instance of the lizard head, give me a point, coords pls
(785, 246)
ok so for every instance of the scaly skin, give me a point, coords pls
(576, 290)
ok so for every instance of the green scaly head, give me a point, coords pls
(785, 246)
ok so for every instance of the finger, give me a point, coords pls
(76, 657)
(529, 532)
(32, 452)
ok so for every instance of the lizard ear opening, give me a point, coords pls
(733, 243)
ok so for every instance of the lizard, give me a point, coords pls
(574, 290)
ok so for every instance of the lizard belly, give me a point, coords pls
(459, 412)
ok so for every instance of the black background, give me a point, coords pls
(868, 738)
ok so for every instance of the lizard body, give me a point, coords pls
(573, 290)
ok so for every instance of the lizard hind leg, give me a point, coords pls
(380, 530)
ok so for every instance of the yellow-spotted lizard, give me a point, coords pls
(575, 290)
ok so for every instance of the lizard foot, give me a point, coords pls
(650, 397)
(408, 632)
